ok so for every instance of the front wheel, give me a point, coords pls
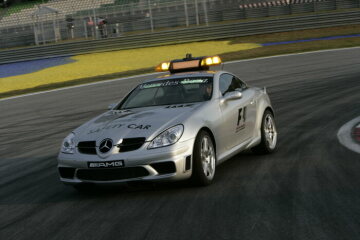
(268, 134)
(204, 160)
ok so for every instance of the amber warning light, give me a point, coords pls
(189, 63)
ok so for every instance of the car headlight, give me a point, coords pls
(168, 137)
(68, 145)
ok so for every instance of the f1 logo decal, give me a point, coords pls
(241, 119)
(241, 116)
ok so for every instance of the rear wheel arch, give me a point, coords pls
(268, 134)
(271, 110)
(260, 116)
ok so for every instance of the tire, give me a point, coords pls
(204, 160)
(268, 135)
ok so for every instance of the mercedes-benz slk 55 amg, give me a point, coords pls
(175, 127)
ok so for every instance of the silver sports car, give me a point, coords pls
(175, 127)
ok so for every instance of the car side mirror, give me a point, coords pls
(232, 96)
(111, 106)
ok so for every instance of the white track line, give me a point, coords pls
(77, 86)
(151, 74)
(293, 54)
(344, 135)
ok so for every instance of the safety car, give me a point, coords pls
(179, 126)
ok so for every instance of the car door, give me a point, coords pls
(239, 114)
(249, 114)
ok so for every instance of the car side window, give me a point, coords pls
(230, 83)
(241, 83)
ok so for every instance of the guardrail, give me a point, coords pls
(20, 29)
(201, 33)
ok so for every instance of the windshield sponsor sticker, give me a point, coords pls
(151, 85)
(175, 82)
(194, 81)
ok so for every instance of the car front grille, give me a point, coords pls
(131, 144)
(127, 145)
(88, 147)
(111, 174)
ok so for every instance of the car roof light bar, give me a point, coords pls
(188, 64)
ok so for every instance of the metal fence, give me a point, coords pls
(126, 18)
(183, 35)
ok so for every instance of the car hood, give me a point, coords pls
(141, 122)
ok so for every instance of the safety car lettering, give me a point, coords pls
(105, 128)
(131, 126)
(142, 127)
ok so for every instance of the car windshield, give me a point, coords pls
(170, 91)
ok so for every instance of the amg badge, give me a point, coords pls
(111, 164)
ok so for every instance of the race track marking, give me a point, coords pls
(310, 40)
(346, 135)
(27, 67)
(356, 133)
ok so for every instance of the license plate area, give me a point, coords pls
(107, 164)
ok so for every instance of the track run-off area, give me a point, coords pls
(308, 189)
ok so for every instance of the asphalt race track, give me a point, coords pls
(308, 189)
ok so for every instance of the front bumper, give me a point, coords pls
(170, 163)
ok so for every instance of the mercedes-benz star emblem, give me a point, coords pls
(105, 145)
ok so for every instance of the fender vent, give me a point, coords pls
(66, 172)
(188, 163)
(164, 167)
